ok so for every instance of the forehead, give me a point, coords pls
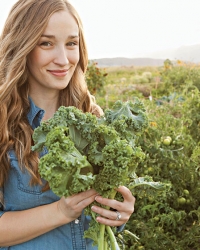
(62, 22)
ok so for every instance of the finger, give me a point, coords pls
(126, 208)
(85, 202)
(110, 215)
(126, 193)
(117, 205)
(112, 223)
(82, 199)
(108, 202)
(85, 194)
(107, 217)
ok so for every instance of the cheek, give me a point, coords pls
(74, 57)
(36, 59)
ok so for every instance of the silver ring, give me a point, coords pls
(118, 215)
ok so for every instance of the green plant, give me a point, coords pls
(176, 76)
(85, 151)
(168, 220)
(95, 78)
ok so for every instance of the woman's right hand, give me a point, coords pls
(72, 206)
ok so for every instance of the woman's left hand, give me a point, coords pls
(123, 210)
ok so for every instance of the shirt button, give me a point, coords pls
(76, 221)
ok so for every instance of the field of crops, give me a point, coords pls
(169, 219)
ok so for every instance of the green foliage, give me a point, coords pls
(171, 221)
(95, 78)
(85, 152)
(166, 220)
(129, 119)
(176, 76)
(139, 79)
(64, 158)
(148, 75)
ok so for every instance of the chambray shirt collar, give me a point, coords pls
(35, 114)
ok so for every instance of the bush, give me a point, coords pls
(139, 79)
(178, 76)
(95, 78)
(171, 220)
(147, 75)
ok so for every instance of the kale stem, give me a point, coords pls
(112, 195)
(101, 237)
(105, 245)
(101, 241)
(113, 241)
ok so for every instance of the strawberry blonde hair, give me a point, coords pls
(23, 28)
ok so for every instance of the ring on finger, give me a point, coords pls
(118, 215)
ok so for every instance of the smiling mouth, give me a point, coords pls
(59, 72)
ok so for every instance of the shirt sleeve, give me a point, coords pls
(119, 229)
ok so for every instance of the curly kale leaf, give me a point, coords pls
(64, 167)
(80, 125)
(119, 161)
(39, 137)
(104, 135)
(128, 118)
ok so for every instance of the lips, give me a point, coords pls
(58, 72)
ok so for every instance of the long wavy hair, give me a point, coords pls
(23, 28)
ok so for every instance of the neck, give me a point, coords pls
(48, 104)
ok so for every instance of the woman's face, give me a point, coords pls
(52, 62)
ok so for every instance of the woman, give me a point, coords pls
(43, 58)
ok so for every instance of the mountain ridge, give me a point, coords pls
(190, 53)
(127, 62)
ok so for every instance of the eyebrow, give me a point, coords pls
(52, 36)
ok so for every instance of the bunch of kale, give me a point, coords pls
(88, 152)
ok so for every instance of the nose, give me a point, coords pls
(61, 56)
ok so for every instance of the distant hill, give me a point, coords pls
(185, 53)
(122, 61)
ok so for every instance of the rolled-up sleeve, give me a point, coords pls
(119, 229)
(1, 213)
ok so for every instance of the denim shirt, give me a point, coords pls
(19, 195)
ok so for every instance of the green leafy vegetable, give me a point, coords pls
(64, 158)
(88, 152)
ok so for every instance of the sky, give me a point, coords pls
(133, 28)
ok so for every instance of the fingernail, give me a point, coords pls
(96, 197)
(94, 208)
(98, 219)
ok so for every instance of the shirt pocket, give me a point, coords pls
(19, 194)
(23, 177)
